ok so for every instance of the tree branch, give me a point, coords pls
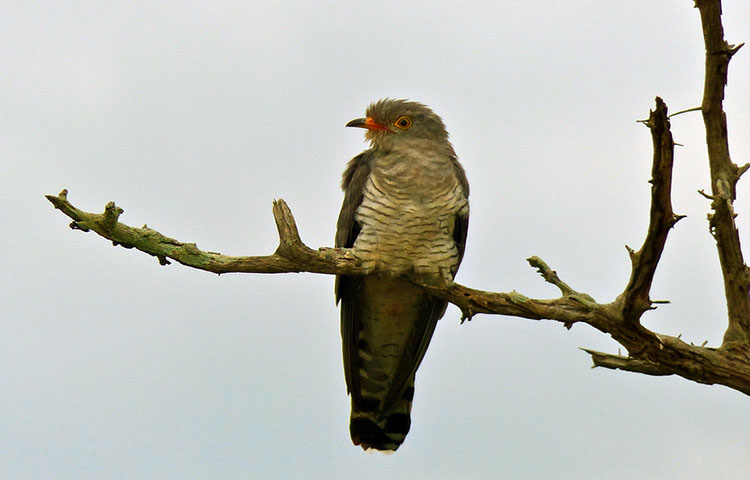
(628, 364)
(648, 352)
(635, 298)
(724, 177)
(292, 255)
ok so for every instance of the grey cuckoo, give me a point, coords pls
(405, 214)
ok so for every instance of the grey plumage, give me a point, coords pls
(405, 213)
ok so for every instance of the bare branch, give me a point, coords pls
(724, 176)
(648, 352)
(694, 109)
(635, 298)
(620, 362)
(293, 255)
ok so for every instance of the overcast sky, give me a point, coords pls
(194, 116)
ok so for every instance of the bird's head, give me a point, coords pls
(388, 121)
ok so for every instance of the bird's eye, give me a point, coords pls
(403, 122)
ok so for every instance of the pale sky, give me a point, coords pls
(193, 118)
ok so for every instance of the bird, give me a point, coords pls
(405, 215)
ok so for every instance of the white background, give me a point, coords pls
(194, 117)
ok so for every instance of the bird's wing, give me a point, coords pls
(429, 310)
(348, 288)
(461, 225)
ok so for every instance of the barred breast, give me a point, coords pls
(408, 213)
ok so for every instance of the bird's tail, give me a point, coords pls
(382, 430)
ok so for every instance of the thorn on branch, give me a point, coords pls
(741, 171)
(694, 109)
(466, 315)
(732, 49)
(676, 218)
(706, 195)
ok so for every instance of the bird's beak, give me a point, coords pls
(367, 123)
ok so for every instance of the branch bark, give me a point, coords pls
(635, 297)
(724, 177)
(292, 255)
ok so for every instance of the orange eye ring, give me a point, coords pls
(403, 122)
